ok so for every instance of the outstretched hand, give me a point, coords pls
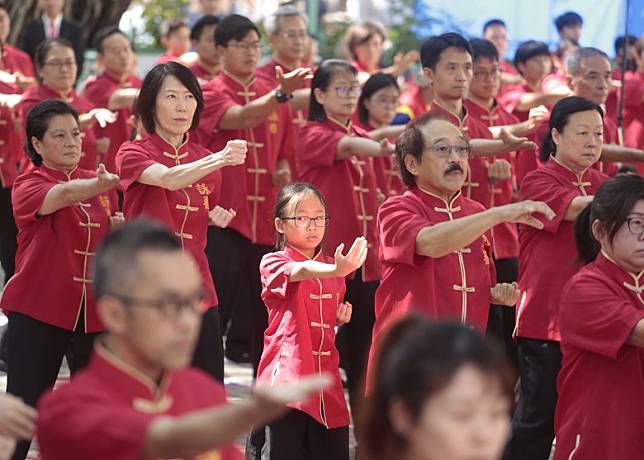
(522, 213)
(513, 142)
(354, 258)
(105, 178)
(293, 80)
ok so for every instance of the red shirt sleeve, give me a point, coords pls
(131, 161)
(95, 429)
(97, 93)
(633, 94)
(510, 99)
(28, 194)
(318, 146)
(538, 186)
(398, 224)
(275, 271)
(594, 317)
(216, 103)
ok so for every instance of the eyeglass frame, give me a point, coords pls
(164, 304)
(246, 47)
(451, 148)
(60, 64)
(309, 222)
(628, 225)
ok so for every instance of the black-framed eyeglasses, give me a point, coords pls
(170, 306)
(305, 221)
(635, 225)
(444, 151)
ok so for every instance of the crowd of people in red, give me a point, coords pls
(443, 240)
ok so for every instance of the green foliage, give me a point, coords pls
(331, 36)
(157, 12)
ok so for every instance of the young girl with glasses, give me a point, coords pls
(304, 293)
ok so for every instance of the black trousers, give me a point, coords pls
(297, 436)
(8, 234)
(354, 338)
(35, 353)
(209, 350)
(501, 320)
(533, 420)
(234, 264)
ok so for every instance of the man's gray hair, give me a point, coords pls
(573, 63)
(272, 23)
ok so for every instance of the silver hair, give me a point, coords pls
(272, 23)
(573, 63)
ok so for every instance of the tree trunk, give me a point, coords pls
(90, 15)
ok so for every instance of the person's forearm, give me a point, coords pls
(531, 100)
(577, 205)
(442, 239)
(517, 129)
(85, 120)
(637, 336)
(359, 146)
(617, 153)
(386, 132)
(487, 147)
(181, 176)
(310, 269)
(301, 99)
(249, 115)
(122, 98)
(68, 193)
(197, 432)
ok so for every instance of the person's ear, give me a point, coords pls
(113, 314)
(319, 96)
(429, 75)
(412, 164)
(598, 230)
(401, 421)
(556, 136)
(279, 225)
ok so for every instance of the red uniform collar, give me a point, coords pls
(127, 380)
(166, 147)
(434, 200)
(556, 165)
(298, 256)
(50, 93)
(452, 117)
(60, 176)
(232, 82)
(630, 281)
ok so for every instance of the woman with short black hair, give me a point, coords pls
(62, 212)
(172, 180)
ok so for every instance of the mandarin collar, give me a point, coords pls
(299, 256)
(433, 199)
(126, 378)
(60, 176)
(165, 146)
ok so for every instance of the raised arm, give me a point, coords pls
(442, 239)
(256, 111)
(66, 194)
(614, 153)
(178, 177)
(386, 132)
(343, 265)
(122, 98)
(363, 147)
(196, 432)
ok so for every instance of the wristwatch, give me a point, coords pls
(282, 97)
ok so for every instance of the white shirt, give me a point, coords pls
(47, 22)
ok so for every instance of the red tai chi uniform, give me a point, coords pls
(300, 338)
(456, 286)
(547, 259)
(235, 252)
(98, 91)
(107, 410)
(600, 411)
